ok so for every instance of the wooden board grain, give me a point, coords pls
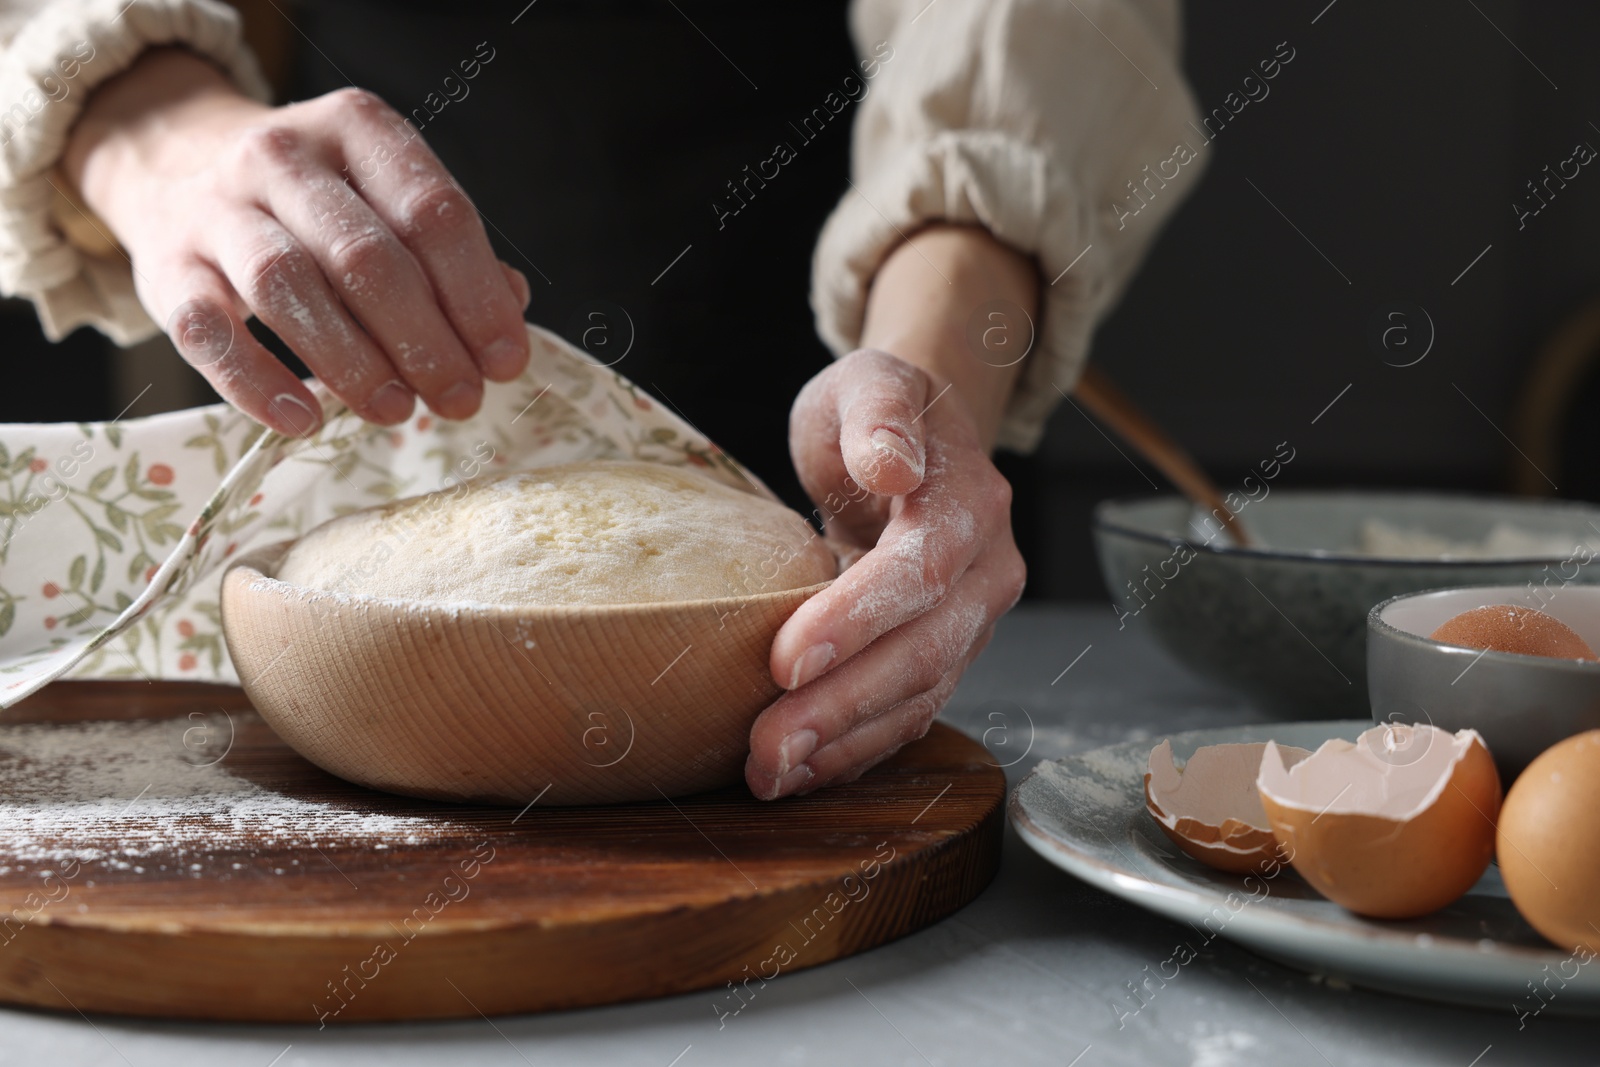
(163, 853)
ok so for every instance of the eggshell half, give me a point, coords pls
(1548, 843)
(1211, 809)
(1396, 825)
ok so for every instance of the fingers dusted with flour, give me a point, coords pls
(862, 712)
(870, 405)
(278, 277)
(212, 338)
(418, 201)
(329, 220)
(869, 661)
(856, 437)
(934, 532)
(894, 448)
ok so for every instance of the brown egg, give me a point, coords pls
(1398, 824)
(1548, 843)
(1211, 809)
(1508, 628)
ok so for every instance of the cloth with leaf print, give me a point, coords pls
(113, 536)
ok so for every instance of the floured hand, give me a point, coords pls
(896, 450)
(869, 661)
(330, 220)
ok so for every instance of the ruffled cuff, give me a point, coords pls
(990, 179)
(46, 75)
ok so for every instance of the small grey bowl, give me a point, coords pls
(1520, 704)
(1287, 624)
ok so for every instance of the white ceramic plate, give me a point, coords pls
(1086, 815)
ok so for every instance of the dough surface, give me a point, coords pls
(596, 532)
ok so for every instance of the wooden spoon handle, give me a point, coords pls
(1111, 406)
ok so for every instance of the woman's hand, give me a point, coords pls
(870, 661)
(330, 220)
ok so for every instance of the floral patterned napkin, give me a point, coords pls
(100, 576)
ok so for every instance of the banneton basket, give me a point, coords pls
(505, 705)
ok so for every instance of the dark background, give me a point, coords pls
(1391, 148)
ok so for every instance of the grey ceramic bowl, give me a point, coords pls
(1287, 625)
(1520, 704)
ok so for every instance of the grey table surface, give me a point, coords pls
(1033, 972)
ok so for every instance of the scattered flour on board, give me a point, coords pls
(124, 794)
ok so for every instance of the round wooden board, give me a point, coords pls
(163, 853)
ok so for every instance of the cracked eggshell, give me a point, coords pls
(1548, 844)
(1398, 824)
(1211, 809)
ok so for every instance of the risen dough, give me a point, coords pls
(600, 532)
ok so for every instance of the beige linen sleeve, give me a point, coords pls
(1062, 126)
(53, 55)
